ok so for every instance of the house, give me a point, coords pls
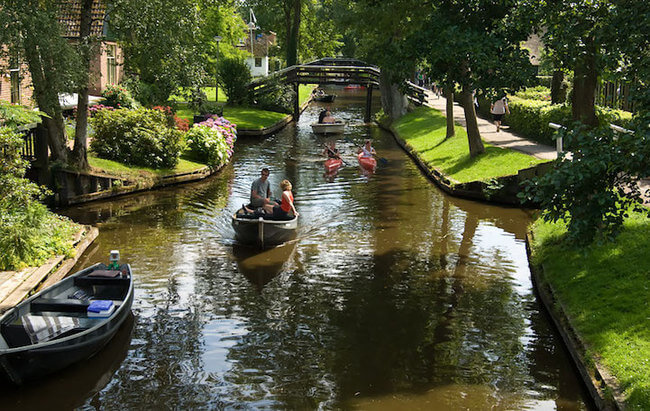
(105, 66)
(258, 61)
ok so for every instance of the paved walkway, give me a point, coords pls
(504, 138)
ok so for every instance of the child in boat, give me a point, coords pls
(286, 209)
(331, 151)
(367, 150)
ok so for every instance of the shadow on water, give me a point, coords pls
(71, 387)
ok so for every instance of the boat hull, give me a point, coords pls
(327, 98)
(264, 233)
(367, 163)
(29, 362)
(328, 128)
(332, 165)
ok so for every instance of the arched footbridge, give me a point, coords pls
(337, 71)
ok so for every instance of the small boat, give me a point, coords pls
(325, 98)
(263, 232)
(353, 87)
(367, 163)
(66, 323)
(332, 165)
(328, 128)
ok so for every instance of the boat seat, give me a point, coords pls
(66, 305)
(15, 335)
(90, 281)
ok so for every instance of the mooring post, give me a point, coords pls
(296, 102)
(368, 103)
(41, 152)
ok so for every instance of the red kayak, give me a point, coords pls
(367, 163)
(353, 87)
(332, 164)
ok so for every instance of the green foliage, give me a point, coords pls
(139, 137)
(276, 97)
(212, 141)
(117, 96)
(540, 93)
(234, 77)
(29, 233)
(594, 190)
(13, 115)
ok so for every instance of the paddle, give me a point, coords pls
(381, 159)
(336, 154)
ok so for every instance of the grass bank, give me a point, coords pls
(424, 129)
(134, 172)
(606, 292)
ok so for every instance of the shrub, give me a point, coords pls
(181, 123)
(234, 76)
(140, 137)
(593, 191)
(212, 141)
(117, 97)
(29, 233)
(95, 108)
(277, 97)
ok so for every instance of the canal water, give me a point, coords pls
(393, 296)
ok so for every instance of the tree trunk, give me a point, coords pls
(294, 34)
(79, 152)
(558, 91)
(473, 136)
(585, 79)
(449, 96)
(393, 101)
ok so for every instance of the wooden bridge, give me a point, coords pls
(336, 71)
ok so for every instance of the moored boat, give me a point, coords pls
(328, 128)
(332, 164)
(263, 232)
(367, 163)
(325, 98)
(65, 323)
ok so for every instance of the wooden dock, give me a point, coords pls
(15, 286)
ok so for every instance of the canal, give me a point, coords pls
(394, 295)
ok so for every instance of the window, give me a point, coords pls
(258, 61)
(111, 64)
(14, 75)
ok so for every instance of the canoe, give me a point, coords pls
(328, 128)
(325, 98)
(57, 326)
(353, 87)
(367, 163)
(253, 230)
(332, 164)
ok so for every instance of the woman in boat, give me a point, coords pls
(331, 151)
(328, 119)
(367, 150)
(286, 209)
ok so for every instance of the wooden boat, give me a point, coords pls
(367, 163)
(325, 98)
(250, 229)
(332, 165)
(328, 128)
(54, 328)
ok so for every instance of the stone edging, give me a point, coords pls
(601, 385)
(52, 271)
(501, 190)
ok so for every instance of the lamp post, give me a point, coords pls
(216, 74)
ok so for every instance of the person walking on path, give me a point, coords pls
(498, 109)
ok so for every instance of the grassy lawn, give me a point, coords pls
(424, 129)
(606, 292)
(123, 170)
(209, 92)
(304, 91)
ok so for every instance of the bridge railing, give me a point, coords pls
(415, 93)
(29, 148)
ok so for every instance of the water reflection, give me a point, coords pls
(393, 293)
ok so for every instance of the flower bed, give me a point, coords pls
(212, 141)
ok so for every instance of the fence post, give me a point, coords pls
(558, 141)
(296, 102)
(368, 103)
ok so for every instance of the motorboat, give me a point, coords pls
(328, 128)
(261, 230)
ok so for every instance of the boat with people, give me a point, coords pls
(325, 98)
(367, 163)
(328, 128)
(332, 165)
(262, 230)
(65, 323)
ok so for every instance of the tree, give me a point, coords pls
(476, 45)
(31, 32)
